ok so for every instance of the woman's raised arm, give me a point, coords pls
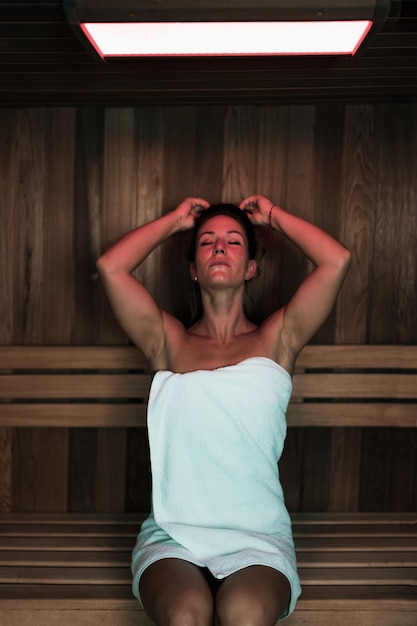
(134, 307)
(316, 296)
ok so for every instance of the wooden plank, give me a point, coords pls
(361, 355)
(377, 467)
(360, 576)
(5, 469)
(82, 468)
(82, 616)
(345, 558)
(356, 221)
(71, 357)
(73, 415)
(403, 478)
(315, 491)
(8, 233)
(66, 576)
(400, 386)
(120, 169)
(42, 543)
(88, 202)
(28, 204)
(57, 286)
(345, 469)
(53, 386)
(111, 469)
(350, 543)
(352, 414)
(79, 558)
(39, 470)
(88, 597)
(394, 269)
(138, 476)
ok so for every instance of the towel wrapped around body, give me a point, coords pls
(215, 439)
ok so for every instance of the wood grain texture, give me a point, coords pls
(88, 207)
(9, 219)
(362, 565)
(5, 469)
(111, 470)
(40, 469)
(73, 180)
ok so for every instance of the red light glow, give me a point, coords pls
(226, 38)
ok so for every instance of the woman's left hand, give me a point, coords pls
(258, 209)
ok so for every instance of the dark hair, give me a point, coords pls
(231, 210)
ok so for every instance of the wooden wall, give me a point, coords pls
(72, 180)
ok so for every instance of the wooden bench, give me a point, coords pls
(70, 568)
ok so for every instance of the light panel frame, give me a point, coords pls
(143, 28)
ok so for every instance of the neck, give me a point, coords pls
(223, 317)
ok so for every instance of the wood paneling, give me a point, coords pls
(73, 180)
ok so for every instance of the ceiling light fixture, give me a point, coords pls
(119, 28)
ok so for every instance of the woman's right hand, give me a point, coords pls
(188, 211)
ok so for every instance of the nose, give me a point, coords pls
(219, 248)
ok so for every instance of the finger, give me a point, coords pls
(198, 208)
(249, 206)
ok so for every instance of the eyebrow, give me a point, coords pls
(228, 232)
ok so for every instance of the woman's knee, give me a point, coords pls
(174, 593)
(242, 609)
(252, 598)
(189, 607)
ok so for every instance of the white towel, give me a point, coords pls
(215, 439)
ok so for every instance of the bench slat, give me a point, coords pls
(66, 575)
(359, 576)
(71, 357)
(75, 558)
(70, 543)
(106, 415)
(365, 544)
(361, 355)
(398, 386)
(72, 386)
(352, 414)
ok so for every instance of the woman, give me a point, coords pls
(217, 547)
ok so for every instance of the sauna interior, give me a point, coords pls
(89, 152)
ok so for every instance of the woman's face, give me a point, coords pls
(222, 253)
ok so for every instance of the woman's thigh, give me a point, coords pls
(254, 596)
(174, 591)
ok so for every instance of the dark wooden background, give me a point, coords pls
(72, 180)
